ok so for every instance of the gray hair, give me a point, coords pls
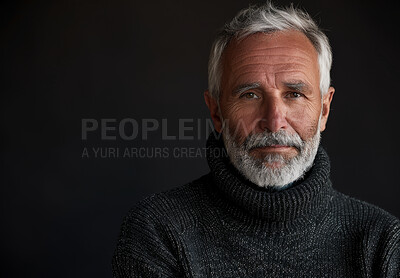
(267, 19)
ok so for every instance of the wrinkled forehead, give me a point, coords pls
(281, 49)
(295, 40)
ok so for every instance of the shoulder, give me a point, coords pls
(365, 220)
(355, 210)
(149, 240)
(171, 207)
(161, 217)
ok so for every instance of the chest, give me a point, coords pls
(221, 252)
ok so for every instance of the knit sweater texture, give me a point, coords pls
(222, 225)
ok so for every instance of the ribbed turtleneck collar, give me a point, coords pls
(303, 198)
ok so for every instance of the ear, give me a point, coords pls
(326, 106)
(214, 111)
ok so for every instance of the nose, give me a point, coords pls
(273, 115)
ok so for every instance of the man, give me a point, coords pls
(268, 209)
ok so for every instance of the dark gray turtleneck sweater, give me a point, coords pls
(221, 225)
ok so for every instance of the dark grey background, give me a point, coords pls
(64, 61)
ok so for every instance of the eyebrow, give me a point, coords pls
(244, 87)
(297, 86)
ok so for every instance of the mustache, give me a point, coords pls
(267, 138)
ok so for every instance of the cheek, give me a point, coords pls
(241, 119)
(304, 120)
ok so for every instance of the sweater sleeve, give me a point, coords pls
(391, 255)
(146, 246)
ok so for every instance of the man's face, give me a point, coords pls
(270, 83)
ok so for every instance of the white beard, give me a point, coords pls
(255, 170)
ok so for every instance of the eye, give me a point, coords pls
(249, 95)
(294, 95)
